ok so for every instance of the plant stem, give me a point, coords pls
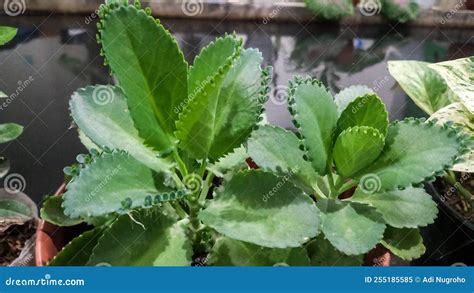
(205, 188)
(450, 178)
(182, 213)
(181, 165)
(177, 180)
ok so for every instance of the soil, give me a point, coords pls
(13, 240)
(451, 197)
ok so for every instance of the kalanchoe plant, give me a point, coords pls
(157, 142)
(364, 173)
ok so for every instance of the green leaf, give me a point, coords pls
(102, 114)
(459, 75)
(400, 11)
(78, 251)
(414, 152)
(408, 208)
(151, 69)
(16, 206)
(7, 34)
(53, 212)
(367, 110)
(315, 114)
(352, 228)
(9, 132)
(330, 9)
(262, 209)
(102, 186)
(280, 158)
(232, 161)
(148, 237)
(349, 94)
(423, 85)
(221, 116)
(357, 147)
(322, 253)
(229, 252)
(405, 243)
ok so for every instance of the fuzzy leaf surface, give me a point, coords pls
(322, 253)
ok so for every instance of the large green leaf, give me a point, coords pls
(9, 131)
(400, 11)
(423, 85)
(16, 206)
(222, 114)
(352, 228)
(79, 250)
(315, 114)
(357, 147)
(229, 252)
(408, 208)
(330, 9)
(111, 179)
(459, 75)
(405, 243)
(282, 157)
(151, 69)
(349, 94)
(148, 237)
(7, 34)
(102, 114)
(414, 151)
(367, 110)
(53, 212)
(322, 253)
(260, 208)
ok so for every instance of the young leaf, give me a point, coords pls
(7, 34)
(424, 86)
(151, 69)
(352, 228)
(282, 157)
(368, 110)
(322, 253)
(78, 251)
(9, 132)
(349, 94)
(331, 10)
(459, 75)
(104, 185)
(315, 115)
(148, 237)
(102, 114)
(262, 209)
(53, 212)
(229, 252)
(400, 10)
(408, 208)
(221, 116)
(405, 243)
(414, 151)
(357, 147)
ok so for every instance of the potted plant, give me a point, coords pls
(445, 92)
